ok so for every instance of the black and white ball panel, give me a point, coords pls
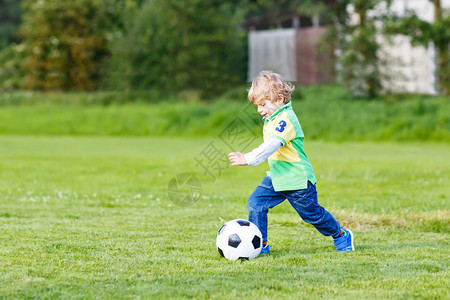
(239, 239)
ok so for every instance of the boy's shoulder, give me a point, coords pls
(290, 118)
(288, 113)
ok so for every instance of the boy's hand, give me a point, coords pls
(237, 159)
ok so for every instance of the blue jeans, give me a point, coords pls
(303, 201)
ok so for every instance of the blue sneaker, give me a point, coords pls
(344, 243)
(265, 250)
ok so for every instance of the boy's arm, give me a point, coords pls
(257, 155)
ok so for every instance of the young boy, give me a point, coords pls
(291, 175)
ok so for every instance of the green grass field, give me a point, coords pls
(89, 217)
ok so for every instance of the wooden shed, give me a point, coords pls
(288, 44)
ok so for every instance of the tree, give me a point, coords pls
(10, 13)
(356, 41)
(175, 45)
(65, 41)
(423, 32)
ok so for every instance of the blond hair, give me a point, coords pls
(269, 86)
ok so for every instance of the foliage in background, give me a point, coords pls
(10, 13)
(270, 9)
(11, 71)
(11, 54)
(358, 59)
(423, 32)
(197, 46)
(65, 41)
(180, 45)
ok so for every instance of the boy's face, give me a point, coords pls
(266, 107)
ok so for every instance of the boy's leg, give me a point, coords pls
(306, 204)
(259, 202)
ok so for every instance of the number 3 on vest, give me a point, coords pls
(282, 125)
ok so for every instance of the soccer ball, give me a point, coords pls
(239, 239)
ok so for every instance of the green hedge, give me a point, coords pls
(326, 113)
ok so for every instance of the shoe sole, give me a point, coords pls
(351, 236)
